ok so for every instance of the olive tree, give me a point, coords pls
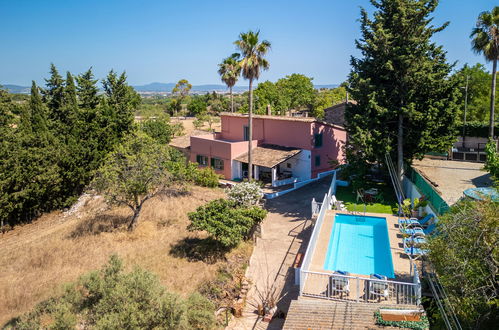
(133, 173)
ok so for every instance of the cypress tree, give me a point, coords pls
(37, 113)
(406, 100)
(54, 93)
(87, 90)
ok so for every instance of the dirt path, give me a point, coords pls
(285, 232)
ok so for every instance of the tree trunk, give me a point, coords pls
(492, 100)
(250, 129)
(135, 218)
(231, 100)
(400, 147)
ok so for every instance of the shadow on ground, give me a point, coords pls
(99, 224)
(199, 249)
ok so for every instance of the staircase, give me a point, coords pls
(313, 314)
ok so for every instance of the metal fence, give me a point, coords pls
(426, 189)
(360, 289)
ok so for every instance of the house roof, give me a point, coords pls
(339, 105)
(302, 119)
(184, 141)
(269, 155)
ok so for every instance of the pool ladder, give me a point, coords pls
(355, 209)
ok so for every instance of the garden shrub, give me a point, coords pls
(206, 177)
(246, 193)
(224, 221)
(112, 299)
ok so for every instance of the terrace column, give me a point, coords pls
(256, 173)
(274, 175)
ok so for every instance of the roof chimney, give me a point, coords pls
(347, 98)
(269, 112)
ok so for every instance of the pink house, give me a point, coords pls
(285, 149)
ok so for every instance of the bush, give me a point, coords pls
(112, 299)
(206, 177)
(465, 256)
(476, 128)
(224, 221)
(159, 129)
(246, 193)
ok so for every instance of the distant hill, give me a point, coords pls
(157, 87)
(16, 89)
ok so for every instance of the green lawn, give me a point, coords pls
(348, 198)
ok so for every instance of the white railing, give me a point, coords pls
(316, 207)
(359, 289)
(313, 241)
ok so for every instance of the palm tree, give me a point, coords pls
(486, 41)
(252, 52)
(229, 71)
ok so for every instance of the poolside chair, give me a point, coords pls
(411, 249)
(415, 222)
(414, 241)
(360, 194)
(379, 198)
(418, 231)
(378, 287)
(339, 284)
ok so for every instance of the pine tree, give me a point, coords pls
(406, 100)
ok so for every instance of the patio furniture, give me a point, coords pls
(360, 194)
(339, 284)
(379, 198)
(414, 241)
(372, 191)
(378, 286)
(411, 247)
(418, 231)
(415, 222)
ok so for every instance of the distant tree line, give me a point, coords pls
(52, 144)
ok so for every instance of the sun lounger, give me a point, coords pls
(338, 284)
(415, 222)
(414, 240)
(418, 231)
(378, 287)
(413, 251)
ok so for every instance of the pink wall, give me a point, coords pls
(271, 131)
(229, 143)
(333, 140)
(207, 145)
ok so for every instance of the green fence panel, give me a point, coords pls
(426, 189)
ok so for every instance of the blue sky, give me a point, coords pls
(169, 40)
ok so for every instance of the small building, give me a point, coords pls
(285, 149)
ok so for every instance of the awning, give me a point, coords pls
(269, 155)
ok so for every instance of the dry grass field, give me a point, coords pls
(36, 259)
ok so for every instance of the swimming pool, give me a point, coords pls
(359, 245)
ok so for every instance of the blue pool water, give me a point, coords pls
(359, 245)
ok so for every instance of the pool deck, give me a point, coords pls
(401, 263)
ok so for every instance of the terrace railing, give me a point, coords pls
(359, 289)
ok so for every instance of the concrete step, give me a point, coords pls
(321, 314)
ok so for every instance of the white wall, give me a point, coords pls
(300, 165)
(411, 191)
(237, 170)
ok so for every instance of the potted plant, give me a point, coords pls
(419, 204)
